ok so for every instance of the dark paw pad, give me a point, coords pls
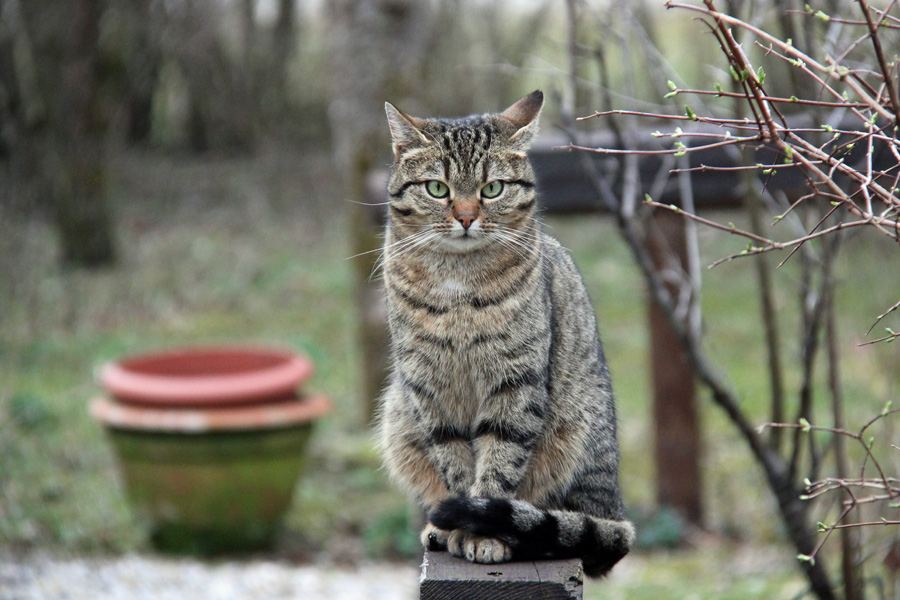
(434, 543)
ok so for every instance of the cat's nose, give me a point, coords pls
(466, 219)
(466, 212)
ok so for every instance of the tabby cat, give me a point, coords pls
(499, 415)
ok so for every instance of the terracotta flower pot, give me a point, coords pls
(206, 377)
(210, 442)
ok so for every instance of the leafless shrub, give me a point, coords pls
(830, 119)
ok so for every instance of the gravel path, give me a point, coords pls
(134, 577)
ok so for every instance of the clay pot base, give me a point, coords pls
(211, 493)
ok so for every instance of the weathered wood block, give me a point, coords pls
(445, 577)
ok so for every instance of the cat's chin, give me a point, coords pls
(463, 244)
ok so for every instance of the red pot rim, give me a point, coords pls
(206, 376)
(284, 414)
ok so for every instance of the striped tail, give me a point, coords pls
(535, 534)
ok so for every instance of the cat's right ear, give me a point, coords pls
(406, 131)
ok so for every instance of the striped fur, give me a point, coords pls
(499, 416)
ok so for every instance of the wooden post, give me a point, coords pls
(445, 577)
(675, 416)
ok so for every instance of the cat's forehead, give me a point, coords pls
(476, 128)
(466, 134)
(471, 122)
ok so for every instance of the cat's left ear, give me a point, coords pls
(524, 117)
(406, 131)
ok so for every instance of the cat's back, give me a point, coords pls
(566, 284)
(579, 372)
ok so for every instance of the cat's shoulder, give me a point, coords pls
(554, 252)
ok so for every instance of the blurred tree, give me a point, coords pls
(284, 42)
(13, 112)
(69, 75)
(248, 30)
(141, 30)
(10, 98)
(374, 44)
(267, 59)
(220, 95)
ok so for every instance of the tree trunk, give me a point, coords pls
(64, 34)
(13, 120)
(222, 112)
(283, 44)
(676, 417)
(142, 67)
(370, 61)
(248, 31)
(10, 97)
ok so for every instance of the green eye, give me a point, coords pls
(436, 188)
(492, 190)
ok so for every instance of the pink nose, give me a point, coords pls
(466, 220)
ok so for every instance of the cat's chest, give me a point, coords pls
(453, 288)
(460, 313)
(459, 305)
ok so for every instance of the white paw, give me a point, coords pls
(478, 549)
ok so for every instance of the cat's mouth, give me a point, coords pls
(464, 240)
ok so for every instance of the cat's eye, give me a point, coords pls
(437, 189)
(492, 190)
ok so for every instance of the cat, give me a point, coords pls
(498, 417)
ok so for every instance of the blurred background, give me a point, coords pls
(180, 172)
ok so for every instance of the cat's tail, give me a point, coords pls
(535, 533)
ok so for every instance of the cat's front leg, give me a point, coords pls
(508, 428)
(432, 463)
(507, 431)
(451, 454)
(452, 457)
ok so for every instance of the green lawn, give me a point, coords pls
(257, 250)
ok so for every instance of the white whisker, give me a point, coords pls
(367, 203)
(521, 243)
(364, 253)
(403, 246)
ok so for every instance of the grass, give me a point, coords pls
(754, 571)
(255, 250)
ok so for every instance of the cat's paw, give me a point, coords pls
(434, 538)
(476, 548)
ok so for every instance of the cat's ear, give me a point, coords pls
(524, 117)
(406, 131)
